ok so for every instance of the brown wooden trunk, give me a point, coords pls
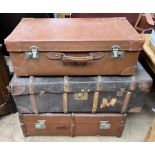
(92, 46)
(72, 124)
(6, 101)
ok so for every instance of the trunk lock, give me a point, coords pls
(116, 52)
(105, 125)
(33, 54)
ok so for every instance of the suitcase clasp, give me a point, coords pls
(116, 52)
(40, 124)
(105, 125)
(33, 54)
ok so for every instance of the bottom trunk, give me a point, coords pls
(72, 124)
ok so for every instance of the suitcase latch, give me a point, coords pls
(33, 54)
(116, 52)
(105, 125)
(40, 124)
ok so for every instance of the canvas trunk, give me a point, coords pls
(81, 94)
(72, 124)
(88, 46)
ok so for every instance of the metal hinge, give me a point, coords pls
(40, 124)
(105, 125)
(116, 52)
(33, 54)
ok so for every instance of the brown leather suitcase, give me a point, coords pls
(72, 124)
(86, 46)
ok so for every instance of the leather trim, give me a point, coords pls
(95, 102)
(66, 84)
(23, 125)
(96, 94)
(65, 98)
(133, 83)
(17, 89)
(72, 124)
(65, 101)
(129, 71)
(32, 95)
(98, 85)
(126, 101)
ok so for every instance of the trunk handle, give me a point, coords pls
(66, 58)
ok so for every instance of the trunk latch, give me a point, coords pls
(105, 125)
(33, 54)
(116, 52)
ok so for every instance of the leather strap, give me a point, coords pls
(72, 124)
(65, 98)
(32, 95)
(126, 101)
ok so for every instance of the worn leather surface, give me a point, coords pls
(131, 17)
(74, 36)
(46, 67)
(73, 124)
(49, 92)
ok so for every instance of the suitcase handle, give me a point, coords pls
(66, 58)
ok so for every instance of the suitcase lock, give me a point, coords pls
(40, 124)
(33, 54)
(116, 52)
(105, 125)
